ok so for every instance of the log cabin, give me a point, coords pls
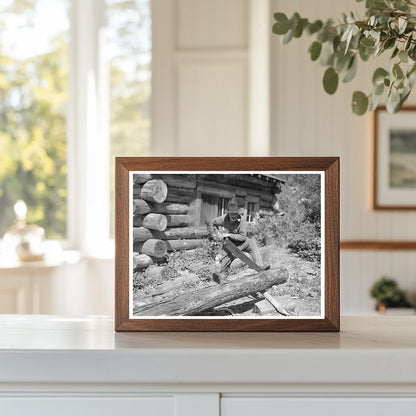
(172, 209)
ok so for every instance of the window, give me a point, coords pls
(75, 87)
(222, 205)
(33, 112)
(251, 210)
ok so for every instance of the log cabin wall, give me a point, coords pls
(169, 210)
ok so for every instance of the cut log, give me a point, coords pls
(157, 222)
(179, 181)
(195, 302)
(154, 247)
(180, 195)
(154, 190)
(176, 245)
(142, 177)
(142, 207)
(141, 261)
(187, 233)
(141, 234)
(177, 220)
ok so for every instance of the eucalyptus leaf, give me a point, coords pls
(281, 27)
(397, 71)
(288, 37)
(359, 103)
(314, 27)
(376, 4)
(379, 75)
(341, 62)
(403, 56)
(330, 80)
(315, 50)
(395, 52)
(402, 22)
(393, 101)
(350, 73)
(374, 102)
(327, 54)
(378, 89)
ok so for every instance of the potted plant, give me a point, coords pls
(387, 294)
(389, 27)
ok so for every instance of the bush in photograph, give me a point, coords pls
(299, 229)
(200, 261)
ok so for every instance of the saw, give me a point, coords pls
(230, 248)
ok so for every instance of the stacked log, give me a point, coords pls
(161, 217)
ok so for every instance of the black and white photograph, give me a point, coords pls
(226, 244)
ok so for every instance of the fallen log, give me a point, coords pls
(197, 301)
(154, 190)
(142, 207)
(154, 248)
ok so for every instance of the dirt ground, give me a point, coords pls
(188, 271)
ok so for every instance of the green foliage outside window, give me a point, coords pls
(33, 99)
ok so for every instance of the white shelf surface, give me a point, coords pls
(53, 349)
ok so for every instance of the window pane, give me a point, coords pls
(129, 51)
(33, 99)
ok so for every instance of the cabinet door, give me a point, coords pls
(88, 406)
(273, 406)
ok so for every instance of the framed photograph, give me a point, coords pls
(227, 244)
(394, 179)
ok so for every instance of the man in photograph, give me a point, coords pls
(234, 225)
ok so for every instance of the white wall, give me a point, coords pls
(308, 122)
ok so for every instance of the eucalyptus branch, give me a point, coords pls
(389, 25)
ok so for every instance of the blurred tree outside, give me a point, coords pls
(34, 67)
(33, 99)
(129, 49)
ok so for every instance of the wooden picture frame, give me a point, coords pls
(267, 171)
(394, 145)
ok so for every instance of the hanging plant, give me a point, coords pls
(388, 27)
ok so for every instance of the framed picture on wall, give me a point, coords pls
(227, 244)
(394, 178)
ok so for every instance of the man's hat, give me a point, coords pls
(232, 207)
